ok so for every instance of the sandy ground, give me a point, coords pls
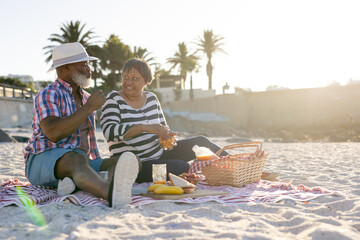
(335, 166)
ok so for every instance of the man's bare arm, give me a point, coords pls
(56, 128)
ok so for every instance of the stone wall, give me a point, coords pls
(328, 114)
(325, 108)
(330, 107)
(15, 112)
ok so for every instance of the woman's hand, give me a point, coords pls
(162, 131)
(170, 142)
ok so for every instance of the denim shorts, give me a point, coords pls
(40, 168)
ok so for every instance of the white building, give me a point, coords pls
(27, 79)
(171, 88)
(169, 94)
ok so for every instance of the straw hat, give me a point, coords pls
(69, 53)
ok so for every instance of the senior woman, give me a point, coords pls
(132, 120)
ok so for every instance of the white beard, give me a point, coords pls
(81, 80)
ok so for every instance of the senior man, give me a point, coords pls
(62, 151)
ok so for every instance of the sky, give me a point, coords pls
(292, 44)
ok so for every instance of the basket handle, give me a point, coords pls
(258, 146)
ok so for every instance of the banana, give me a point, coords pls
(154, 186)
(169, 190)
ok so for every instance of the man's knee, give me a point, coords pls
(75, 159)
(69, 163)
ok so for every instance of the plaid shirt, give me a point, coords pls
(57, 100)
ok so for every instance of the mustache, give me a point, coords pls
(82, 80)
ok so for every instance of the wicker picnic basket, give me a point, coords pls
(236, 170)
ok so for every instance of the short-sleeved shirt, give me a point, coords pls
(84, 134)
(56, 100)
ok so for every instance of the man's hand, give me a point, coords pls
(96, 100)
(59, 128)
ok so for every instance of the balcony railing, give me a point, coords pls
(15, 92)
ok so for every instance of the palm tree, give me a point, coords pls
(143, 53)
(210, 44)
(96, 51)
(181, 59)
(192, 65)
(116, 53)
(70, 32)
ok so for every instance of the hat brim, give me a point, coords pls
(74, 61)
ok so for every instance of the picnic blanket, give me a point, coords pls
(22, 194)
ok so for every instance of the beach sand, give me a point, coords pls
(334, 166)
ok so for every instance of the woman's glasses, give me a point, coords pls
(132, 79)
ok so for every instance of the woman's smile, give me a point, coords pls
(133, 83)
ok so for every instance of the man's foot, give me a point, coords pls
(66, 187)
(126, 171)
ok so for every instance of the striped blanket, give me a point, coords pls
(23, 193)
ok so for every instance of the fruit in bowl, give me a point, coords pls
(191, 178)
(185, 185)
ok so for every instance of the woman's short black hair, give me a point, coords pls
(141, 66)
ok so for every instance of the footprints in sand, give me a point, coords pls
(356, 192)
(329, 221)
(328, 165)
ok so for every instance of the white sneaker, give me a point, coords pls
(126, 171)
(66, 187)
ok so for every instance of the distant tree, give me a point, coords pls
(160, 70)
(70, 32)
(143, 53)
(210, 44)
(44, 83)
(14, 82)
(96, 51)
(191, 66)
(183, 59)
(115, 55)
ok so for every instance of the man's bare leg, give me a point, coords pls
(77, 167)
